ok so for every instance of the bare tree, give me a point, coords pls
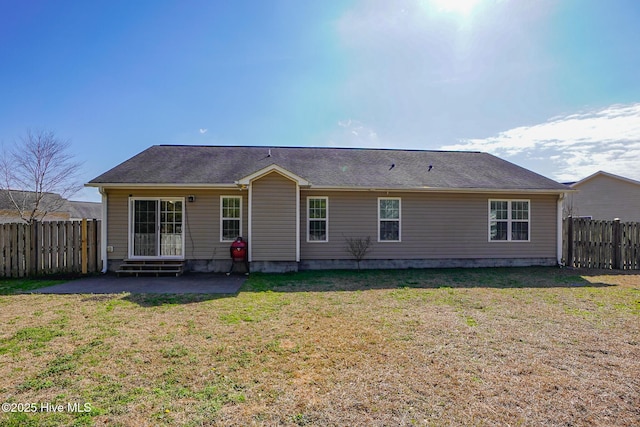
(569, 208)
(358, 247)
(36, 169)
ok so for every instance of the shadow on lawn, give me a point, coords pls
(155, 300)
(353, 280)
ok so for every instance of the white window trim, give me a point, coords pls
(326, 219)
(509, 220)
(223, 218)
(386, 219)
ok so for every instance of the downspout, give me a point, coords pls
(297, 222)
(559, 230)
(250, 225)
(103, 231)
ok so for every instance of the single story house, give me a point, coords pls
(297, 206)
(604, 196)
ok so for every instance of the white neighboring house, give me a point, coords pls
(58, 208)
(604, 196)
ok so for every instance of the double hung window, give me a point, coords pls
(509, 220)
(317, 219)
(230, 218)
(389, 219)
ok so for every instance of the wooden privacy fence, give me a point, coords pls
(52, 247)
(601, 244)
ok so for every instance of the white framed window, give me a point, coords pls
(509, 220)
(389, 219)
(318, 219)
(230, 218)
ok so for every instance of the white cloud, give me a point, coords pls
(421, 76)
(203, 131)
(575, 145)
(354, 133)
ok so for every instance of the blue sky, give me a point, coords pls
(552, 85)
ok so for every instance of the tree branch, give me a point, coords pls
(37, 166)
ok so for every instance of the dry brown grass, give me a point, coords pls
(419, 347)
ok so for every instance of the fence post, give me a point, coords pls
(31, 268)
(570, 242)
(85, 253)
(99, 237)
(617, 244)
(94, 245)
(27, 250)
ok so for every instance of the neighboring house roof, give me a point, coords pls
(57, 207)
(49, 202)
(325, 168)
(603, 173)
(79, 210)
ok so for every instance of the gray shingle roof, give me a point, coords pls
(49, 202)
(326, 167)
(78, 209)
(57, 207)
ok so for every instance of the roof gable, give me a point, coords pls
(272, 168)
(605, 174)
(348, 168)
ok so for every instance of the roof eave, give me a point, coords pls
(422, 189)
(159, 185)
(427, 189)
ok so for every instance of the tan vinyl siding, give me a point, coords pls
(274, 218)
(201, 221)
(433, 226)
(606, 198)
(117, 224)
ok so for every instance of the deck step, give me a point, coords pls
(150, 267)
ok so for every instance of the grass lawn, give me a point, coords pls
(525, 346)
(8, 287)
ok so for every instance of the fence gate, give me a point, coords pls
(601, 244)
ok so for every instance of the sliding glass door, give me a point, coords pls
(156, 228)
